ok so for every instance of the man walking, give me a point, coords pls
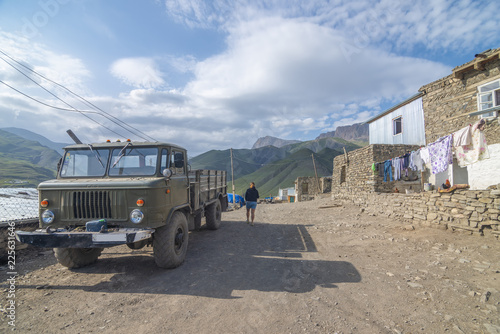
(251, 197)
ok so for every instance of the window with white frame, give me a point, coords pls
(488, 97)
(397, 125)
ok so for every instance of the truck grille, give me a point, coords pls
(91, 204)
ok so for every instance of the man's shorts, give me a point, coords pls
(251, 205)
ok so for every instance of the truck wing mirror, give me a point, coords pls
(167, 173)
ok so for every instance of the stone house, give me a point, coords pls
(392, 133)
(307, 187)
(469, 93)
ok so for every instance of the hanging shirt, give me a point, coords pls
(440, 154)
(477, 150)
(417, 161)
(406, 160)
(424, 155)
(462, 137)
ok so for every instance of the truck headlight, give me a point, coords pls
(136, 216)
(48, 216)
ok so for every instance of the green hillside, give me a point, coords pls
(245, 161)
(283, 173)
(25, 163)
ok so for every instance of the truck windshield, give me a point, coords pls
(133, 161)
(85, 162)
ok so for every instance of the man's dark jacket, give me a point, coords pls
(251, 195)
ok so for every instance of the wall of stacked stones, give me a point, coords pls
(312, 188)
(449, 97)
(358, 172)
(475, 212)
(358, 175)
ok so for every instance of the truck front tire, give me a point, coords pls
(214, 215)
(77, 257)
(170, 242)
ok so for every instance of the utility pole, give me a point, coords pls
(232, 178)
(316, 173)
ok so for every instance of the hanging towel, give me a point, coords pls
(440, 154)
(462, 137)
(477, 150)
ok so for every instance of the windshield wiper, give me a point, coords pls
(122, 154)
(96, 154)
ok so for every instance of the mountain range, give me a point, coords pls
(58, 147)
(27, 158)
(25, 163)
(356, 133)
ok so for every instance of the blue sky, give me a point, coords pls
(220, 74)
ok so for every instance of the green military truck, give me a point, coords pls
(133, 193)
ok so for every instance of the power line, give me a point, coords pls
(65, 109)
(108, 116)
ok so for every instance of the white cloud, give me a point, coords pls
(402, 25)
(62, 68)
(138, 72)
(290, 68)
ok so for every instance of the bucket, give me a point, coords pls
(427, 186)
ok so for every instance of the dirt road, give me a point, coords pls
(303, 268)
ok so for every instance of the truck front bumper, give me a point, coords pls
(62, 238)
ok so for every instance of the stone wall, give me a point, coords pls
(352, 172)
(474, 212)
(306, 187)
(447, 101)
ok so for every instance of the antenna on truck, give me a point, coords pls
(74, 137)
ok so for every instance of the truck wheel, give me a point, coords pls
(214, 215)
(77, 257)
(170, 242)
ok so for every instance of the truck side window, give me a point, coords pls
(164, 160)
(177, 163)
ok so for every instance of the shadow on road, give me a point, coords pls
(266, 257)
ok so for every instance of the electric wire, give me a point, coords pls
(108, 116)
(73, 108)
(59, 108)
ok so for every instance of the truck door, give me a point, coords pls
(179, 181)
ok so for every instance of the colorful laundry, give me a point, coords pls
(440, 154)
